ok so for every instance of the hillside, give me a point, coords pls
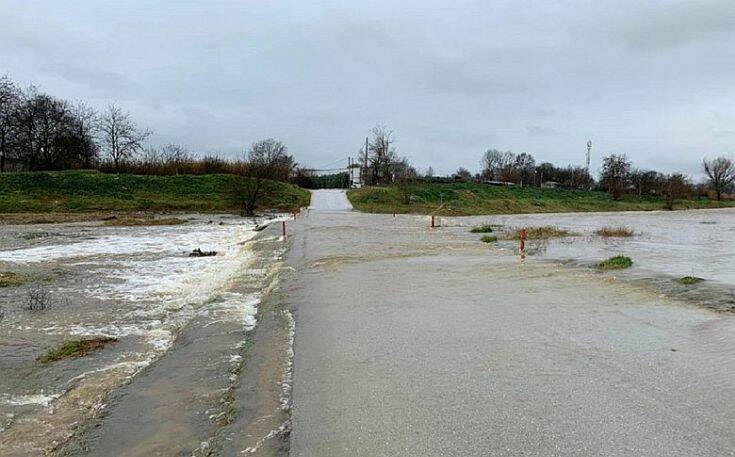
(465, 199)
(81, 191)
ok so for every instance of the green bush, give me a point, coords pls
(689, 280)
(618, 262)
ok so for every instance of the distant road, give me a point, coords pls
(419, 342)
(330, 200)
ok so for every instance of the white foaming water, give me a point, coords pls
(156, 286)
(22, 400)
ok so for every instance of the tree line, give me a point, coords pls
(41, 132)
(382, 165)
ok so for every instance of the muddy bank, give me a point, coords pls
(139, 286)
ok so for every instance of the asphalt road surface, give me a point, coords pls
(413, 341)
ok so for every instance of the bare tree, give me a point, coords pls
(674, 187)
(120, 135)
(614, 175)
(499, 165)
(384, 166)
(721, 173)
(525, 166)
(266, 159)
(463, 174)
(10, 97)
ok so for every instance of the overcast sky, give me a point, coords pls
(653, 80)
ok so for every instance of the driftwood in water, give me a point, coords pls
(199, 253)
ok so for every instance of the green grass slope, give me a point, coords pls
(79, 191)
(465, 199)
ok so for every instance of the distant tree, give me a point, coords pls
(674, 187)
(265, 160)
(499, 165)
(644, 181)
(429, 172)
(463, 174)
(547, 172)
(120, 135)
(615, 171)
(10, 97)
(720, 172)
(384, 165)
(525, 167)
(577, 178)
(269, 159)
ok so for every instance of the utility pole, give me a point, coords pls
(589, 148)
(349, 168)
(364, 175)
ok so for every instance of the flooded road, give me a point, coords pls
(417, 341)
(135, 284)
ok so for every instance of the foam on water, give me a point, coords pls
(148, 274)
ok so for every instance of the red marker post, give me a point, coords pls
(522, 243)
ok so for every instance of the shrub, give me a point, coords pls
(618, 262)
(689, 280)
(37, 299)
(489, 239)
(76, 348)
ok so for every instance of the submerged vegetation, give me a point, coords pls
(467, 199)
(143, 221)
(615, 232)
(689, 280)
(82, 191)
(10, 279)
(618, 262)
(487, 228)
(536, 233)
(76, 348)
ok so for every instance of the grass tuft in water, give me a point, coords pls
(487, 228)
(615, 232)
(689, 280)
(537, 233)
(489, 239)
(76, 348)
(618, 262)
(10, 279)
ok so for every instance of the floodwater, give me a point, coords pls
(136, 284)
(666, 243)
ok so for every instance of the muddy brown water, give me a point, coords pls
(136, 284)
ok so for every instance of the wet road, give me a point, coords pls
(412, 341)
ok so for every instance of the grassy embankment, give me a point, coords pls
(87, 191)
(466, 199)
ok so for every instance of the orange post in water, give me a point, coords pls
(432, 221)
(522, 238)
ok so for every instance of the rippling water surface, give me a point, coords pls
(136, 284)
(676, 243)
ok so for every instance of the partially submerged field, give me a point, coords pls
(466, 199)
(85, 191)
